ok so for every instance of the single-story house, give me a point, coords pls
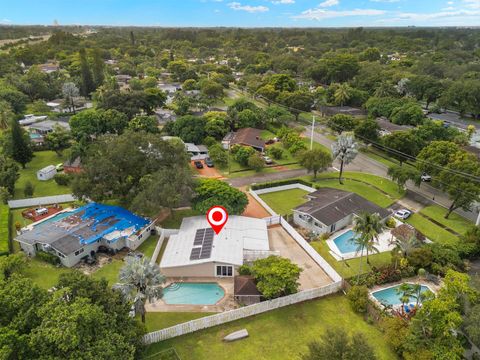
(330, 210)
(49, 67)
(165, 115)
(170, 88)
(245, 290)
(387, 127)
(197, 152)
(30, 119)
(346, 110)
(76, 234)
(123, 79)
(73, 166)
(196, 251)
(246, 136)
(47, 126)
(46, 173)
(61, 106)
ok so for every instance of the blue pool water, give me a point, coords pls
(345, 242)
(193, 293)
(35, 136)
(57, 217)
(390, 296)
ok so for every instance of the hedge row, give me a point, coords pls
(4, 229)
(280, 183)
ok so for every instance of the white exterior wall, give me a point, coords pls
(317, 227)
(199, 270)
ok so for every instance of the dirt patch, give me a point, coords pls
(280, 168)
(102, 260)
(207, 172)
(254, 209)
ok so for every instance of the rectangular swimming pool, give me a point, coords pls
(345, 242)
(57, 217)
(193, 294)
(390, 296)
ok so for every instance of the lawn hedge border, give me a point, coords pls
(270, 184)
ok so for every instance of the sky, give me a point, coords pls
(243, 13)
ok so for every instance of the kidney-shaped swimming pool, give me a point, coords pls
(193, 294)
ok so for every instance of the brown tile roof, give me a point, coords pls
(248, 136)
(245, 285)
(329, 205)
(406, 231)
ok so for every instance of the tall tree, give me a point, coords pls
(212, 192)
(401, 174)
(315, 160)
(87, 84)
(6, 114)
(20, 142)
(58, 140)
(344, 150)
(368, 227)
(98, 68)
(70, 92)
(140, 281)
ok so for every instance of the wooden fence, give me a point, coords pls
(240, 313)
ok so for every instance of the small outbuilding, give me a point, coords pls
(46, 173)
(245, 290)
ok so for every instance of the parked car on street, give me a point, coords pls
(209, 162)
(425, 177)
(267, 160)
(198, 164)
(403, 214)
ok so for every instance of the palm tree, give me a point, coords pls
(406, 244)
(411, 291)
(368, 226)
(140, 281)
(345, 150)
(342, 94)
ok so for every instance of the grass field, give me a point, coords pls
(42, 188)
(351, 267)
(455, 222)
(432, 231)
(282, 202)
(279, 334)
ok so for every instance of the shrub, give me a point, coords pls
(62, 179)
(256, 162)
(275, 152)
(47, 257)
(29, 189)
(358, 298)
(243, 153)
(391, 223)
(271, 184)
(244, 270)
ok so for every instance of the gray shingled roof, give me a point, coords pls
(329, 205)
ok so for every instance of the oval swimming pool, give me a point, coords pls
(390, 295)
(193, 294)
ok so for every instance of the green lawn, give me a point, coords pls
(351, 267)
(279, 334)
(109, 271)
(455, 222)
(431, 231)
(282, 202)
(42, 188)
(44, 274)
(4, 231)
(148, 246)
(162, 320)
(174, 220)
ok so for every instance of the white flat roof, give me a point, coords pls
(239, 233)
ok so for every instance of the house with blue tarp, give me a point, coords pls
(74, 234)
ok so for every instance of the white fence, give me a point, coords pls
(285, 187)
(232, 315)
(163, 234)
(263, 203)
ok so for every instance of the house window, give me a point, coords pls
(79, 251)
(332, 228)
(224, 270)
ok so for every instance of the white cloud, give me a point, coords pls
(448, 8)
(472, 4)
(321, 14)
(247, 8)
(5, 21)
(329, 3)
(436, 15)
(449, 2)
(283, 2)
(385, 1)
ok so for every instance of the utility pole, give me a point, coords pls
(311, 136)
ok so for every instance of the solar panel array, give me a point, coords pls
(202, 244)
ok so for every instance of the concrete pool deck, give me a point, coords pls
(224, 304)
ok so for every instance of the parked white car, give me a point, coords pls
(403, 214)
(425, 177)
(267, 160)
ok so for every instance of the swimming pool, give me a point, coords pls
(57, 217)
(345, 242)
(390, 296)
(193, 294)
(35, 136)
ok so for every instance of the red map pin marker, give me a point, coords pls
(217, 217)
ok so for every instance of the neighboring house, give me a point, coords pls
(61, 106)
(247, 137)
(165, 115)
(405, 232)
(49, 67)
(196, 251)
(245, 290)
(46, 173)
(192, 92)
(387, 127)
(30, 119)
(197, 152)
(47, 126)
(80, 233)
(73, 167)
(170, 88)
(346, 110)
(329, 210)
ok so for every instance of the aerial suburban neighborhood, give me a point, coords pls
(240, 180)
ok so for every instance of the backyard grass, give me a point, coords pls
(4, 231)
(351, 267)
(161, 320)
(175, 219)
(109, 271)
(42, 188)
(279, 334)
(43, 274)
(282, 202)
(432, 231)
(148, 246)
(455, 222)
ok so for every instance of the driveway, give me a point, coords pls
(312, 275)
(206, 171)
